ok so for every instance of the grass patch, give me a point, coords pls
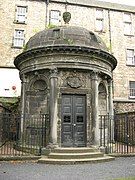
(129, 178)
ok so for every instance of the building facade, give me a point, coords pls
(114, 23)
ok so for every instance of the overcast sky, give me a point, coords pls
(127, 2)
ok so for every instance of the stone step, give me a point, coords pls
(72, 150)
(75, 155)
(74, 161)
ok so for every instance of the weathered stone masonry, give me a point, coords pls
(70, 82)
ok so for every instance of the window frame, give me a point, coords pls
(127, 23)
(19, 14)
(130, 60)
(131, 90)
(99, 19)
(58, 18)
(15, 38)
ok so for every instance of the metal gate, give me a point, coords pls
(23, 135)
(117, 133)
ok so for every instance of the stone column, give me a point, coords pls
(53, 107)
(23, 87)
(111, 113)
(95, 107)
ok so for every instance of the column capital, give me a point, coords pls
(110, 80)
(110, 83)
(53, 72)
(23, 78)
(94, 75)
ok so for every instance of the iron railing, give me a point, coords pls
(117, 133)
(23, 135)
(28, 134)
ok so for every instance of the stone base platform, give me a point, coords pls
(73, 156)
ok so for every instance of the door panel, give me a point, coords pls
(67, 135)
(73, 121)
(79, 115)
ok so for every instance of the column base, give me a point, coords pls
(52, 146)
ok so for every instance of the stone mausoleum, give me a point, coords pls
(66, 72)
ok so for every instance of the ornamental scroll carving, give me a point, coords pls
(74, 82)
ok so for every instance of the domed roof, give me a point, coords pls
(66, 36)
(65, 41)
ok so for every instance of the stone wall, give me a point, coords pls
(121, 107)
(2, 110)
(35, 22)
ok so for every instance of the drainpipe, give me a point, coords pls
(110, 35)
(46, 15)
(110, 83)
(66, 6)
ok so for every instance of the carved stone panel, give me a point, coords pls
(74, 82)
(74, 79)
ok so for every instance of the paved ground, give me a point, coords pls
(121, 167)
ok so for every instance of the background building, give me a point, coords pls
(114, 23)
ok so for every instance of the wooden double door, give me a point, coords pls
(73, 132)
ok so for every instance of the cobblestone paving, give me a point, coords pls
(121, 167)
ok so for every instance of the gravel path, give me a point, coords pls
(121, 167)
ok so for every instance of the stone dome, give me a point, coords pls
(66, 36)
(65, 41)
